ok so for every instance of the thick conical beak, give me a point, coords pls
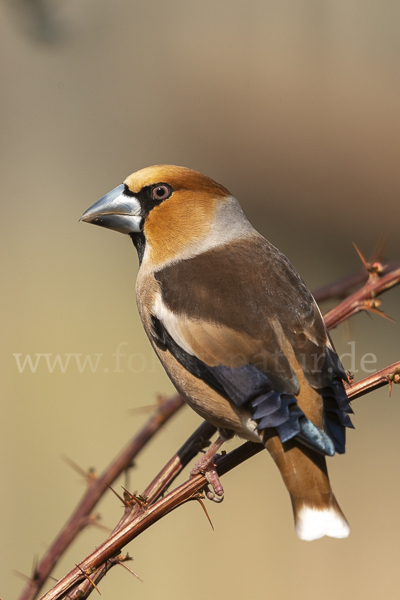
(116, 210)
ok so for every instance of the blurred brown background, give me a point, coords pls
(294, 106)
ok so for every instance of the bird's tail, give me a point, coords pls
(316, 511)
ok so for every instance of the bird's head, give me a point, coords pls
(170, 211)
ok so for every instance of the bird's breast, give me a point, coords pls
(203, 399)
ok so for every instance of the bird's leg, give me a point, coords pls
(206, 466)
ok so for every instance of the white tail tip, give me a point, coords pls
(313, 523)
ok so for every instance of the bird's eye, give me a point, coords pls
(161, 191)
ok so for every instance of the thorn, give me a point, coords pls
(373, 268)
(124, 502)
(382, 314)
(364, 262)
(373, 306)
(394, 378)
(94, 521)
(199, 498)
(378, 252)
(90, 475)
(126, 558)
(128, 496)
(102, 527)
(26, 578)
(35, 572)
(376, 268)
(88, 578)
(161, 399)
(141, 500)
(367, 311)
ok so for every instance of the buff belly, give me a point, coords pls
(206, 402)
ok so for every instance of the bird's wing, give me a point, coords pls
(240, 317)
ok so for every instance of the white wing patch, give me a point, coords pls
(171, 323)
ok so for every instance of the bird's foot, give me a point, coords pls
(216, 491)
(206, 466)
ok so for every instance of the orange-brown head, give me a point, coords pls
(171, 212)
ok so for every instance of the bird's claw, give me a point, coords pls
(214, 490)
(216, 493)
(212, 495)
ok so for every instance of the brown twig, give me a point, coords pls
(141, 519)
(136, 512)
(364, 298)
(135, 522)
(84, 589)
(386, 376)
(96, 488)
(339, 289)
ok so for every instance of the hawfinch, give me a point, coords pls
(236, 329)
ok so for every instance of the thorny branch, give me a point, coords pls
(340, 288)
(143, 517)
(365, 298)
(81, 517)
(143, 511)
(387, 376)
(134, 522)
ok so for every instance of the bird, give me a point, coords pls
(237, 331)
